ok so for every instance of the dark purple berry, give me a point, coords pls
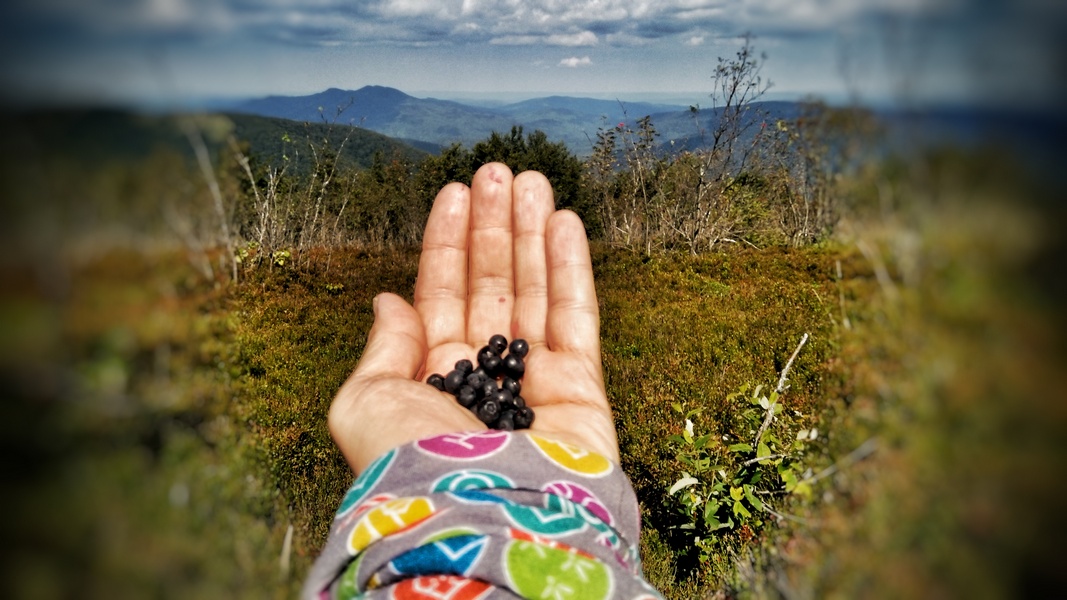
(493, 365)
(487, 411)
(524, 418)
(453, 381)
(503, 397)
(506, 421)
(480, 372)
(511, 385)
(466, 396)
(514, 367)
(437, 380)
(464, 366)
(519, 347)
(518, 402)
(488, 389)
(476, 379)
(499, 344)
(484, 354)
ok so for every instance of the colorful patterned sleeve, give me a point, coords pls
(478, 515)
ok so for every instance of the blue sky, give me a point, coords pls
(180, 51)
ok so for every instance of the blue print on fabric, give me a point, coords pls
(450, 556)
(543, 521)
(471, 479)
(365, 483)
(554, 503)
(478, 497)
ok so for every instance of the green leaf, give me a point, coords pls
(763, 450)
(752, 499)
(702, 441)
(790, 480)
(737, 493)
(683, 483)
(741, 448)
(710, 509)
(677, 407)
(741, 511)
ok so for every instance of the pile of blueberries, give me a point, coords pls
(491, 391)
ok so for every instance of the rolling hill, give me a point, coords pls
(95, 136)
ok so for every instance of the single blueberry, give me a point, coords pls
(464, 366)
(511, 385)
(488, 389)
(437, 380)
(506, 421)
(518, 402)
(487, 411)
(466, 396)
(498, 343)
(519, 347)
(453, 381)
(524, 418)
(514, 367)
(493, 365)
(503, 397)
(484, 354)
(476, 379)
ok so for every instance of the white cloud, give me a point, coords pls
(574, 62)
(696, 40)
(516, 40)
(584, 38)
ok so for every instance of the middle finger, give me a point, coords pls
(491, 295)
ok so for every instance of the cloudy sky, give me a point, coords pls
(180, 51)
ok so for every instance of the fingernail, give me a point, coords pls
(374, 305)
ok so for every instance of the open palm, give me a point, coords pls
(497, 258)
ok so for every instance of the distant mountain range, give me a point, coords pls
(390, 121)
(422, 121)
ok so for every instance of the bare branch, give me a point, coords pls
(196, 140)
(863, 451)
(785, 371)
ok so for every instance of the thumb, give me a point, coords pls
(396, 344)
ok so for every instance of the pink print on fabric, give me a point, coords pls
(441, 587)
(367, 504)
(465, 445)
(582, 497)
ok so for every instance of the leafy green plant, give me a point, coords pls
(247, 254)
(721, 485)
(280, 257)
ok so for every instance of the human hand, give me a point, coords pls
(496, 258)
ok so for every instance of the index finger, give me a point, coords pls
(441, 285)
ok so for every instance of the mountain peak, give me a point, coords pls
(382, 91)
